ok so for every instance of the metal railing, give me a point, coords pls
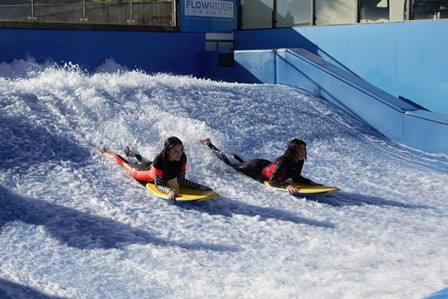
(104, 12)
(252, 13)
(256, 14)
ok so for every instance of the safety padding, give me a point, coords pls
(260, 63)
(396, 118)
(426, 130)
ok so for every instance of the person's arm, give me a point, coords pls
(161, 184)
(159, 178)
(298, 178)
(183, 182)
(303, 180)
(282, 173)
(157, 167)
(276, 179)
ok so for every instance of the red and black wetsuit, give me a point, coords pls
(277, 172)
(159, 171)
(281, 170)
(165, 170)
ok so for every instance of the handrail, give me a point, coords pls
(356, 86)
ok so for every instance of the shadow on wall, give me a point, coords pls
(211, 69)
(82, 230)
(11, 290)
(283, 38)
(171, 52)
(244, 75)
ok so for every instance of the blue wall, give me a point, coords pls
(179, 53)
(442, 294)
(405, 59)
(396, 118)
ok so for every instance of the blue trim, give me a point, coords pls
(396, 118)
(442, 294)
(405, 59)
(351, 80)
(431, 116)
(315, 89)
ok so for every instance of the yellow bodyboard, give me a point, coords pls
(185, 194)
(307, 189)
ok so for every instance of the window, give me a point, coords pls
(373, 11)
(15, 10)
(329, 12)
(293, 13)
(429, 9)
(59, 11)
(256, 14)
(113, 12)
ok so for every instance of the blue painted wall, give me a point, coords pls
(398, 119)
(405, 59)
(178, 53)
(442, 294)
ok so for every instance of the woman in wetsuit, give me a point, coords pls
(167, 170)
(287, 166)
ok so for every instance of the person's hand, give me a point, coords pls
(205, 141)
(172, 195)
(292, 189)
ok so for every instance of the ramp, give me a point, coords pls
(396, 118)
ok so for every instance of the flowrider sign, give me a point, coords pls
(208, 15)
(209, 8)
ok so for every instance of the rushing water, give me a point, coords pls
(75, 225)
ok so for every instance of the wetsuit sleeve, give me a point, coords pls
(159, 180)
(302, 180)
(297, 175)
(183, 182)
(277, 176)
(161, 184)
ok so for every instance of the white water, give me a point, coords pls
(74, 225)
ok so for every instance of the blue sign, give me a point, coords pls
(208, 15)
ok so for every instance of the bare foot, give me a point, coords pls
(127, 151)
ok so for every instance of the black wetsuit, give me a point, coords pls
(277, 172)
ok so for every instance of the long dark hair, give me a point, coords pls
(292, 149)
(170, 142)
